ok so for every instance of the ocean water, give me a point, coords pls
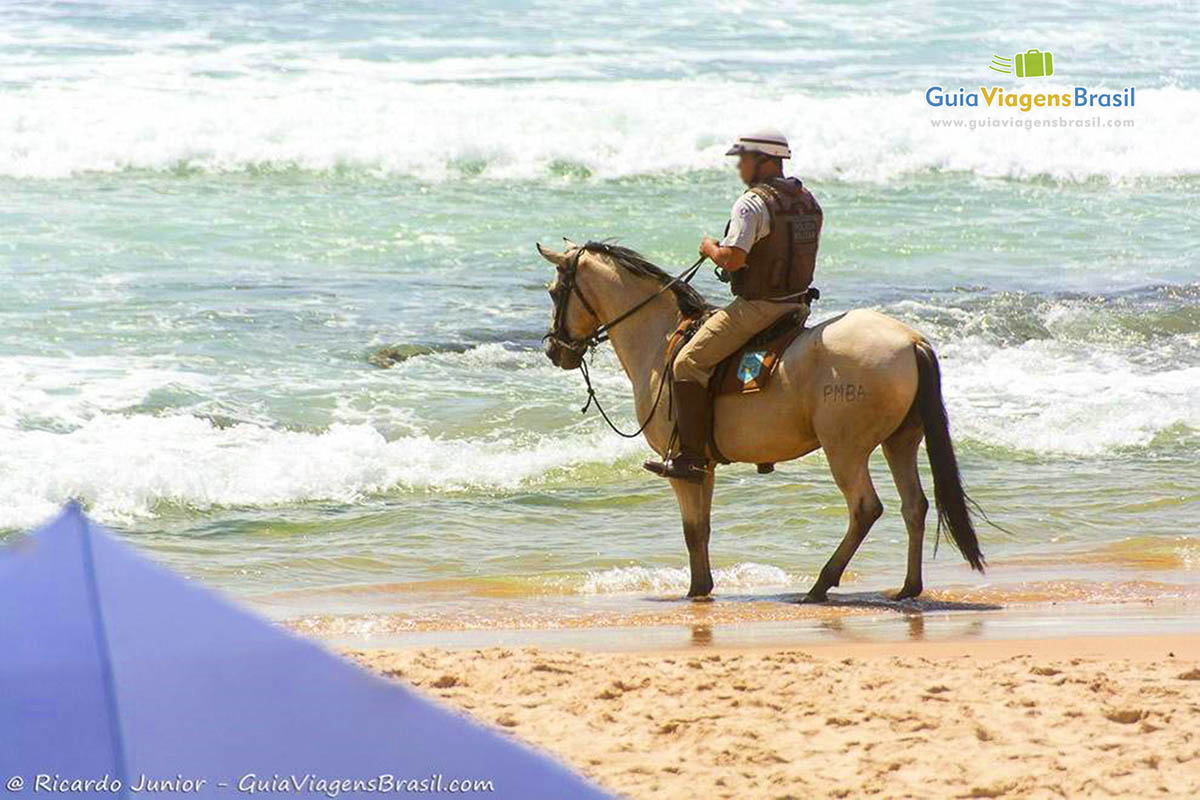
(217, 216)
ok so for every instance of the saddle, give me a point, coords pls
(748, 370)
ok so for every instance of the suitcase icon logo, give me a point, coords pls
(1034, 64)
(1030, 64)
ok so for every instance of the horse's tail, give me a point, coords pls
(949, 496)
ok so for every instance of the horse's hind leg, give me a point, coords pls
(695, 507)
(854, 479)
(901, 449)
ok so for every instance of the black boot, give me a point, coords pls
(691, 413)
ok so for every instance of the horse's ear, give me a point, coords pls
(557, 259)
(570, 245)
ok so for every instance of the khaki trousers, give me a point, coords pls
(724, 333)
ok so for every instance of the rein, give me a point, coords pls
(593, 399)
(558, 334)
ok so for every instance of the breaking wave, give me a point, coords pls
(125, 466)
(1050, 397)
(365, 116)
(1067, 375)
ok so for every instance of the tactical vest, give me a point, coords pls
(781, 263)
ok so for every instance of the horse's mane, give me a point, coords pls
(690, 301)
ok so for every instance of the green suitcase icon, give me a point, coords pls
(1034, 64)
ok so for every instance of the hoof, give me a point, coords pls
(700, 598)
(908, 593)
(814, 597)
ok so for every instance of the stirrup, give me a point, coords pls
(680, 467)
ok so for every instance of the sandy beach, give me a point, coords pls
(1065, 717)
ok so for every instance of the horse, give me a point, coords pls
(846, 385)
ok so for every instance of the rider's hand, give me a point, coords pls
(708, 245)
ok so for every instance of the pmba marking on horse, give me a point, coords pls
(848, 392)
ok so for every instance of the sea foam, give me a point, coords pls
(159, 114)
(124, 466)
(1050, 397)
(670, 580)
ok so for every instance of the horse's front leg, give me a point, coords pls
(695, 507)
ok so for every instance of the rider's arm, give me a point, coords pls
(730, 259)
(749, 221)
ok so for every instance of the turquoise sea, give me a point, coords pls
(219, 217)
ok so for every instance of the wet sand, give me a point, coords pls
(1112, 716)
(758, 619)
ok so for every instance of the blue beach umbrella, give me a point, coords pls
(116, 671)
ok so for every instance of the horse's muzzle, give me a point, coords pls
(562, 357)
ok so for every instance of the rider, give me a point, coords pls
(768, 254)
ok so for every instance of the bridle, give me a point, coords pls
(568, 285)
